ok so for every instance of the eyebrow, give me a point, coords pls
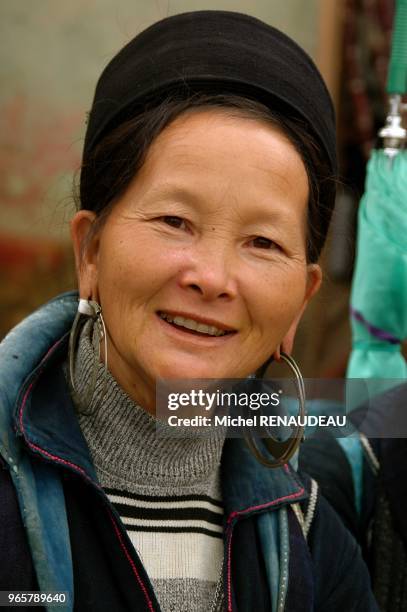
(273, 216)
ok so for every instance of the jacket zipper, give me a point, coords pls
(228, 585)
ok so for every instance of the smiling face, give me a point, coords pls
(201, 268)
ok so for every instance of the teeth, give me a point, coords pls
(211, 330)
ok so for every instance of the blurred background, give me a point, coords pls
(51, 54)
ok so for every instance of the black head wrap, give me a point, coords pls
(212, 52)
(218, 52)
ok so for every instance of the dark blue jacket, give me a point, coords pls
(65, 535)
(364, 477)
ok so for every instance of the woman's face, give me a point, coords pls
(201, 268)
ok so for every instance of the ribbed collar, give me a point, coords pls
(123, 437)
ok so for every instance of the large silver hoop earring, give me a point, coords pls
(281, 451)
(87, 309)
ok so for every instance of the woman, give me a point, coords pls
(205, 198)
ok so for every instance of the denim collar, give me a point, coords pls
(45, 416)
(20, 353)
(249, 487)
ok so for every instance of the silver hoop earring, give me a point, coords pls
(282, 451)
(87, 309)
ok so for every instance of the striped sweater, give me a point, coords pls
(166, 491)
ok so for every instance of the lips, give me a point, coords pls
(196, 325)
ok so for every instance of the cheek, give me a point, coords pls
(277, 301)
(132, 271)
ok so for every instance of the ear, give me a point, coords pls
(314, 279)
(85, 245)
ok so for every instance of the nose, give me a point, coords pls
(211, 273)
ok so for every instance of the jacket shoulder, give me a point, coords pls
(22, 350)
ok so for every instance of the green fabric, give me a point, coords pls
(397, 74)
(379, 289)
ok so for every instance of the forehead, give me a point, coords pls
(214, 157)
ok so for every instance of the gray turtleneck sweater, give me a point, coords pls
(166, 490)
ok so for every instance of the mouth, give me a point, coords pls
(196, 325)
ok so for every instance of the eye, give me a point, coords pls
(173, 221)
(260, 242)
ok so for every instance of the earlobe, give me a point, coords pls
(85, 247)
(277, 353)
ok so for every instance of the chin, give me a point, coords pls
(190, 370)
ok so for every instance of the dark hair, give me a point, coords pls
(110, 167)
